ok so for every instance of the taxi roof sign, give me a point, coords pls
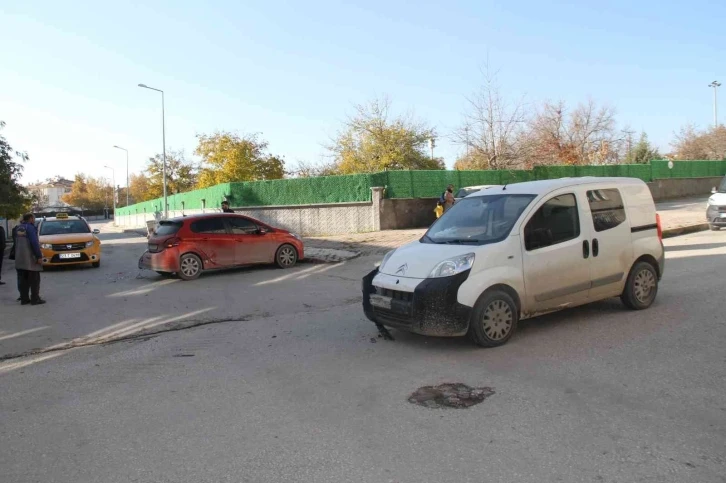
(61, 216)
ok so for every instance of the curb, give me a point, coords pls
(685, 230)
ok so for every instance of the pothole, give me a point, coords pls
(450, 395)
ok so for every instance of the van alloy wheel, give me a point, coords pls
(494, 319)
(643, 285)
(497, 320)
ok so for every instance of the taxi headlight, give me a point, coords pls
(46, 246)
(452, 266)
(89, 244)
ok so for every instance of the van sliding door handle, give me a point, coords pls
(585, 249)
(595, 247)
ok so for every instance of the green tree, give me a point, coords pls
(372, 140)
(643, 152)
(14, 198)
(90, 193)
(180, 175)
(228, 157)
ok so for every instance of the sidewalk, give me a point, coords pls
(676, 216)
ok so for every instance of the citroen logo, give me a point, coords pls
(402, 269)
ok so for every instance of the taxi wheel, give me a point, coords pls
(96, 264)
(190, 267)
(494, 319)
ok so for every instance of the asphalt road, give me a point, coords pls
(292, 387)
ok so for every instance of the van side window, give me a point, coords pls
(556, 221)
(607, 208)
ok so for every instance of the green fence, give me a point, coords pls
(404, 184)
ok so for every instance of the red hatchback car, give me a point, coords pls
(191, 244)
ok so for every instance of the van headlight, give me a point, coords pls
(452, 266)
(46, 246)
(385, 259)
(89, 244)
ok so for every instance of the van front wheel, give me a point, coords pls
(494, 319)
(641, 287)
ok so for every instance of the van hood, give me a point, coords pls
(417, 260)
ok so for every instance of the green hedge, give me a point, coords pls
(404, 184)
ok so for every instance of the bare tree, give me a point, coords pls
(492, 130)
(585, 135)
(710, 144)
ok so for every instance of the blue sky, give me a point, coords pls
(292, 70)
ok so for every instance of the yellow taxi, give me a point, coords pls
(68, 240)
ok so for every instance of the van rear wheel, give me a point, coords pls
(494, 319)
(641, 287)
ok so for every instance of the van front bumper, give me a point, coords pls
(431, 309)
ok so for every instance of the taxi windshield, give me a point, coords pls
(63, 227)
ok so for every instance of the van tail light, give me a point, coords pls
(172, 242)
(660, 227)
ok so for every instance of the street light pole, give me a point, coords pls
(113, 178)
(163, 140)
(715, 85)
(127, 172)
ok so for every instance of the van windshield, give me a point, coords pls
(478, 220)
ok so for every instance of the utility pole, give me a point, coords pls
(163, 142)
(432, 145)
(715, 85)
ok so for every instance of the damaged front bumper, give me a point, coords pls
(430, 309)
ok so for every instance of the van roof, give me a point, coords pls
(548, 185)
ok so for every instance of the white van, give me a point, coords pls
(716, 208)
(517, 251)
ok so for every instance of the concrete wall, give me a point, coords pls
(404, 213)
(669, 189)
(308, 220)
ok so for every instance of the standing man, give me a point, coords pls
(28, 261)
(3, 245)
(449, 198)
(225, 207)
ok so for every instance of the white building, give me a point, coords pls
(51, 192)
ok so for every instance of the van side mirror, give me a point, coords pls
(96, 231)
(713, 190)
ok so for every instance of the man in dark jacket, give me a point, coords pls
(225, 207)
(28, 261)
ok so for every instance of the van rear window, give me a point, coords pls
(168, 227)
(607, 208)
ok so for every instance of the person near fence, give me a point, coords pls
(3, 245)
(226, 208)
(28, 261)
(448, 197)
